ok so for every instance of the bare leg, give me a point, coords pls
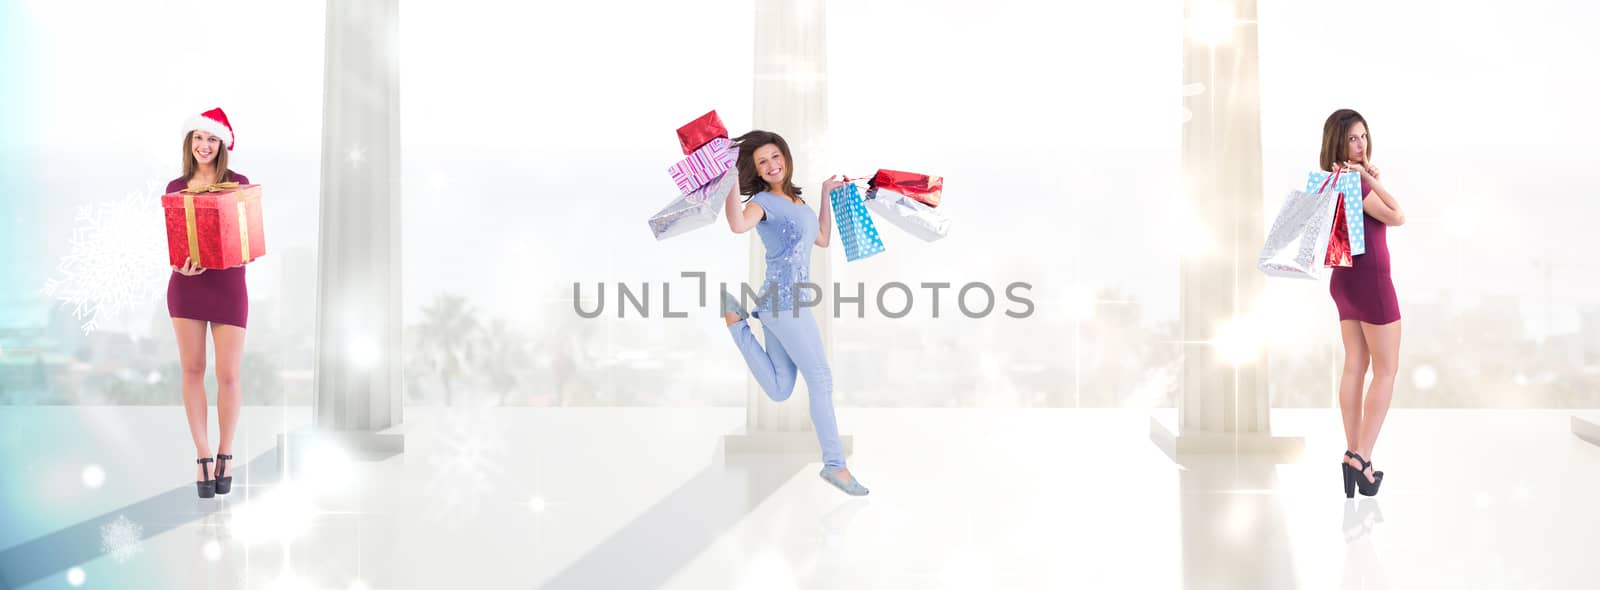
(229, 343)
(1356, 359)
(1384, 341)
(192, 360)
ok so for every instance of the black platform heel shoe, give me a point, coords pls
(224, 481)
(1350, 455)
(208, 487)
(1367, 488)
(1350, 474)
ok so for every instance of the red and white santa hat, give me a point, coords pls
(214, 122)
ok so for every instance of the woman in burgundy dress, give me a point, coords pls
(1369, 313)
(198, 298)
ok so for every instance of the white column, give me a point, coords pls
(1224, 404)
(791, 99)
(358, 385)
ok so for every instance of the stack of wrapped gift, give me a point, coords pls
(704, 177)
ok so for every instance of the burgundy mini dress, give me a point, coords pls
(1363, 292)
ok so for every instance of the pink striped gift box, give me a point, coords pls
(706, 163)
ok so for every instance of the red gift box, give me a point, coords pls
(921, 187)
(217, 225)
(700, 132)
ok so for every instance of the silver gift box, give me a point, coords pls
(908, 214)
(694, 209)
(1297, 244)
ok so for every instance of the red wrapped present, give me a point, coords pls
(917, 186)
(216, 225)
(700, 132)
(705, 164)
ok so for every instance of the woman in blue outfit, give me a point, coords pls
(788, 228)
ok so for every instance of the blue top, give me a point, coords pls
(788, 232)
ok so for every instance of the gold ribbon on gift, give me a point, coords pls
(194, 231)
(244, 233)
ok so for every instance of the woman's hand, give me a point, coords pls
(190, 268)
(831, 183)
(1362, 169)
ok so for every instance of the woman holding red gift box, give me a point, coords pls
(198, 298)
(788, 229)
(1369, 312)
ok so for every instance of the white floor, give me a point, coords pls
(643, 498)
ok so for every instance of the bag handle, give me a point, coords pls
(1337, 169)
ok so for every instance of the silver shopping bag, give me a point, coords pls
(694, 209)
(1297, 244)
(907, 214)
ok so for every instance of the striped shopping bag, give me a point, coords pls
(710, 161)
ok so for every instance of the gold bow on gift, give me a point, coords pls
(194, 232)
(215, 187)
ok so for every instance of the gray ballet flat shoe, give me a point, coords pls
(731, 305)
(850, 486)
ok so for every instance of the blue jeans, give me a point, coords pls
(794, 346)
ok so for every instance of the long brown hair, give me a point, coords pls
(750, 181)
(1336, 137)
(192, 166)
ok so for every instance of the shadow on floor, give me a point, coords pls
(646, 553)
(73, 546)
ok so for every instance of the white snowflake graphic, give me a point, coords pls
(116, 260)
(466, 463)
(121, 538)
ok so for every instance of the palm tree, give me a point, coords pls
(566, 366)
(446, 337)
(504, 356)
